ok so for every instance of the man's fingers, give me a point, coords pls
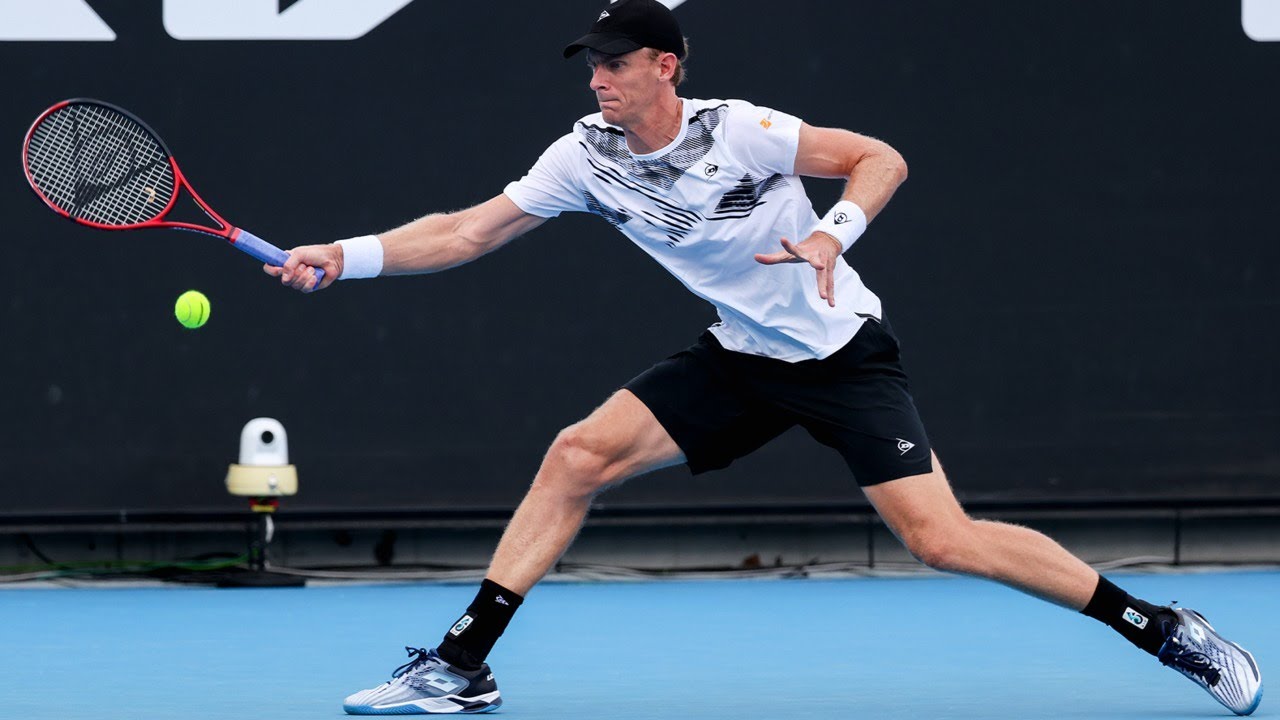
(300, 270)
(801, 255)
(775, 258)
(792, 249)
(294, 279)
(306, 274)
(290, 267)
(826, 285)
(823, 270)
(788, 255)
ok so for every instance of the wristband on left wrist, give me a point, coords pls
(845, 222)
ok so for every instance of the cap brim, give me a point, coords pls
(607, 43)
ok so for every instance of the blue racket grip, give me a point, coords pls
(266, 252)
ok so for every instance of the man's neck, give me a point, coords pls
(658, 128)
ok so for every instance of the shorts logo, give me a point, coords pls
(603, 15)
(1135, 618)
(461, 625)
(904, 446)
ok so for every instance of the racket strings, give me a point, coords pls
(99, 165)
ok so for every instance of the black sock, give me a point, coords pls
(1140, 622)
(469, 641)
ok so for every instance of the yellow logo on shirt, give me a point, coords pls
(764, 123)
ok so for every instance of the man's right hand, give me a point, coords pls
(299, 272)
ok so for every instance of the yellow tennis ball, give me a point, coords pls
(192, 309)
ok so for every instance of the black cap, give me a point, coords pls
(628, 25)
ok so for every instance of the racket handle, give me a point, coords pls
(249, 243)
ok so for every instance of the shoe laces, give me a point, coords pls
(419, 657)
(1175, 655)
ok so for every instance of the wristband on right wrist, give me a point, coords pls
(361, 257)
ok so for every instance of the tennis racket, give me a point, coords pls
(100, 166)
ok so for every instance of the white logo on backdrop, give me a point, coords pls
(62, 20)
(75, 20)
(1261, 19)
(69, 20)
(262, 20)
(51, 20)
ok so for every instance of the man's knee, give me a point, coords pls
(947, 547)
(579, 463)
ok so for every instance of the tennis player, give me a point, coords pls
(711, 190)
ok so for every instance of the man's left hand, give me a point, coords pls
(820, 250)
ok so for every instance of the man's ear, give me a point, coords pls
(667, 66)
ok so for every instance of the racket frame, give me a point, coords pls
(229, 232)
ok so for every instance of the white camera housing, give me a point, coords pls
(263, 442)
(264, 469)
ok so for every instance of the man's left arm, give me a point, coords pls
(874, 171)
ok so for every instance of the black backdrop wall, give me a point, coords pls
(1082, 267)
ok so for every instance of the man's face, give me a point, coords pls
(625, 85)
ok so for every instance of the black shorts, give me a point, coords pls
(719, 405)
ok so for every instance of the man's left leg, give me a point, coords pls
(925, 515)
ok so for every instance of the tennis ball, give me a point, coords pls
(192, 309)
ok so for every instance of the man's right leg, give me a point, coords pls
(619, 440)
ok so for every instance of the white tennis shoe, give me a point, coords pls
(427, 685)
(1225, 670)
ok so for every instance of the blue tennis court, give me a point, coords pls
(871, 647)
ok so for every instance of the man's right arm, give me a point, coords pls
(429, 244)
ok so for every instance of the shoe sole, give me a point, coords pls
(448, 705)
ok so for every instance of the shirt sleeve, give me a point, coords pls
(551, 186)
(764, 139)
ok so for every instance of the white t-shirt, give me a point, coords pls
(703, 206)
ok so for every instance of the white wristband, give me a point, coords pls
(361, 257)
(845, 222)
